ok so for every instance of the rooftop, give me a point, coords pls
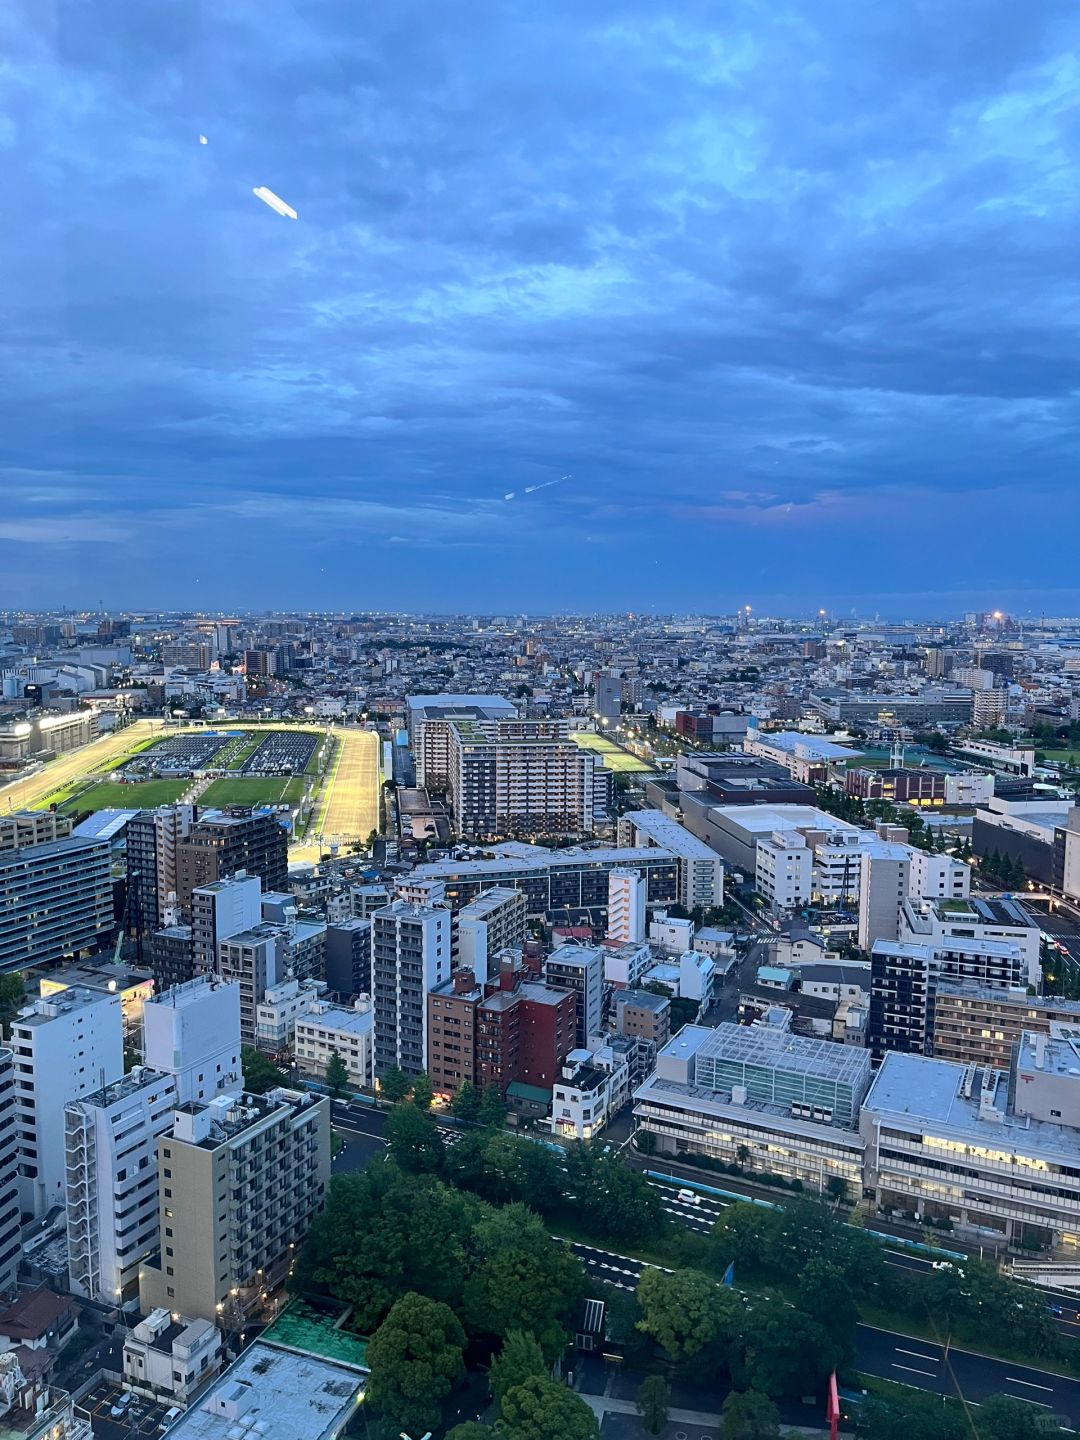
(816, 746)
(538, 859)
(781, 1050)
(670, 835)
(318, 1330)
(275, 1393)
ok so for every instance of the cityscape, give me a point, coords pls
(539, 721)
(509, 1025)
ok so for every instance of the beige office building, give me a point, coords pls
(239, 1181)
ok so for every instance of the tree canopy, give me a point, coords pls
(520, 1358)
(260, 1072)
(543, 1409)
(415, 1359)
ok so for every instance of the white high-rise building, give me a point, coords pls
(410, 955)
(66, 1047)
(494, 921)
(192, 1032)
(220, 910)
(112, 1184)
(10, 1228)
(937, 877)
(626, 907)
(783, 870)
(883, 888)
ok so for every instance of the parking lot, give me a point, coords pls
(141, 1419)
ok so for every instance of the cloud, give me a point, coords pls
(780, 273)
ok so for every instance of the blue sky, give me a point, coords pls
(789, 292)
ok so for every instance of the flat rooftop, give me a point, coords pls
(670, 835)
(526, 860)
(781, 1050)
(815, 745)
(276, 1394)
(762, 819)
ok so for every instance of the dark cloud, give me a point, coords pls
(790, 290)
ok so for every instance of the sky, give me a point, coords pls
(601, 306)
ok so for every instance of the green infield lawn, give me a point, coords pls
(614, 756)
(254, 790)
(105, 795)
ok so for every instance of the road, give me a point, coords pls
(891, 1355)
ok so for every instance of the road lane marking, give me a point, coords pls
(934, 1359)
(897, 1366)
(1017, 1381)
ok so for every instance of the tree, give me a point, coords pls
(384, 1233)
(12, 998)
(337, 1076)
(413, 1139)
(519, 1358)
(394, 1085)
(825, 1295)
(523, 1280)
(610, 1196)
(422, 1091)
(519, 1169)
(645, 1142)
(415, 1359)
(466, 1103)
(260, 1072)
(685, 1312)
(546, 1410)
(653, 1401)
(471, 1430)
(749, 1415)
(787, 1353)
(491, 1112)
(1002, 1417)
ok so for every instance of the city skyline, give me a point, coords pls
(645, 311)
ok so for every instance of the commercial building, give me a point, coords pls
(66, 1047)
(900, 786)
(410, 955)
(493, 922)
(572, 879)
(783, 871)
(221, 843)
(56, 901)
(239, 1181)
(807, 758)
(276, 1394)
(939, 921)
(580, 968)
(111, 1181)
(22, 828)
(192, 1033)
(762, 1098)
(327, 1030)
(593, 1087)
(736, 829)
(701, 871)
(904, 980)
(10, 1227)
(983, 1023)
(887, 712)
(990, 1153)
(151, 838)
(607, 695)
(219, 910)
(172, 1361)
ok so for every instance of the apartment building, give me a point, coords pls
(643, 1016)
(279, 1010)
(937, 877)
(510, 1031)
(239, 1180)
(218, 910)
(762, 1098)
(936, 921)
(221, 843)
(984, 1023)
(348, 958)
(172, 1361)
(410, 955)
(192, 1032)
(430, 718)
(10, 1227)
(701, 870)
(519, 778)
(905, 977)
(626, 907)
(580, 968)
(20, 828)
(327, 1030)
(172, 955)
(111, 1194)
(575, 878)
(66, 1047)
(783, 873)
(884, 880)
(151, 838)
(56, 900)
(493, 922)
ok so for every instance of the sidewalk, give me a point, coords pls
(607, 1404)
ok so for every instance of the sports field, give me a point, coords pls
(615, 757)
(254, 790)
(104, 795)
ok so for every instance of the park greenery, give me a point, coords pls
(447, 1252)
